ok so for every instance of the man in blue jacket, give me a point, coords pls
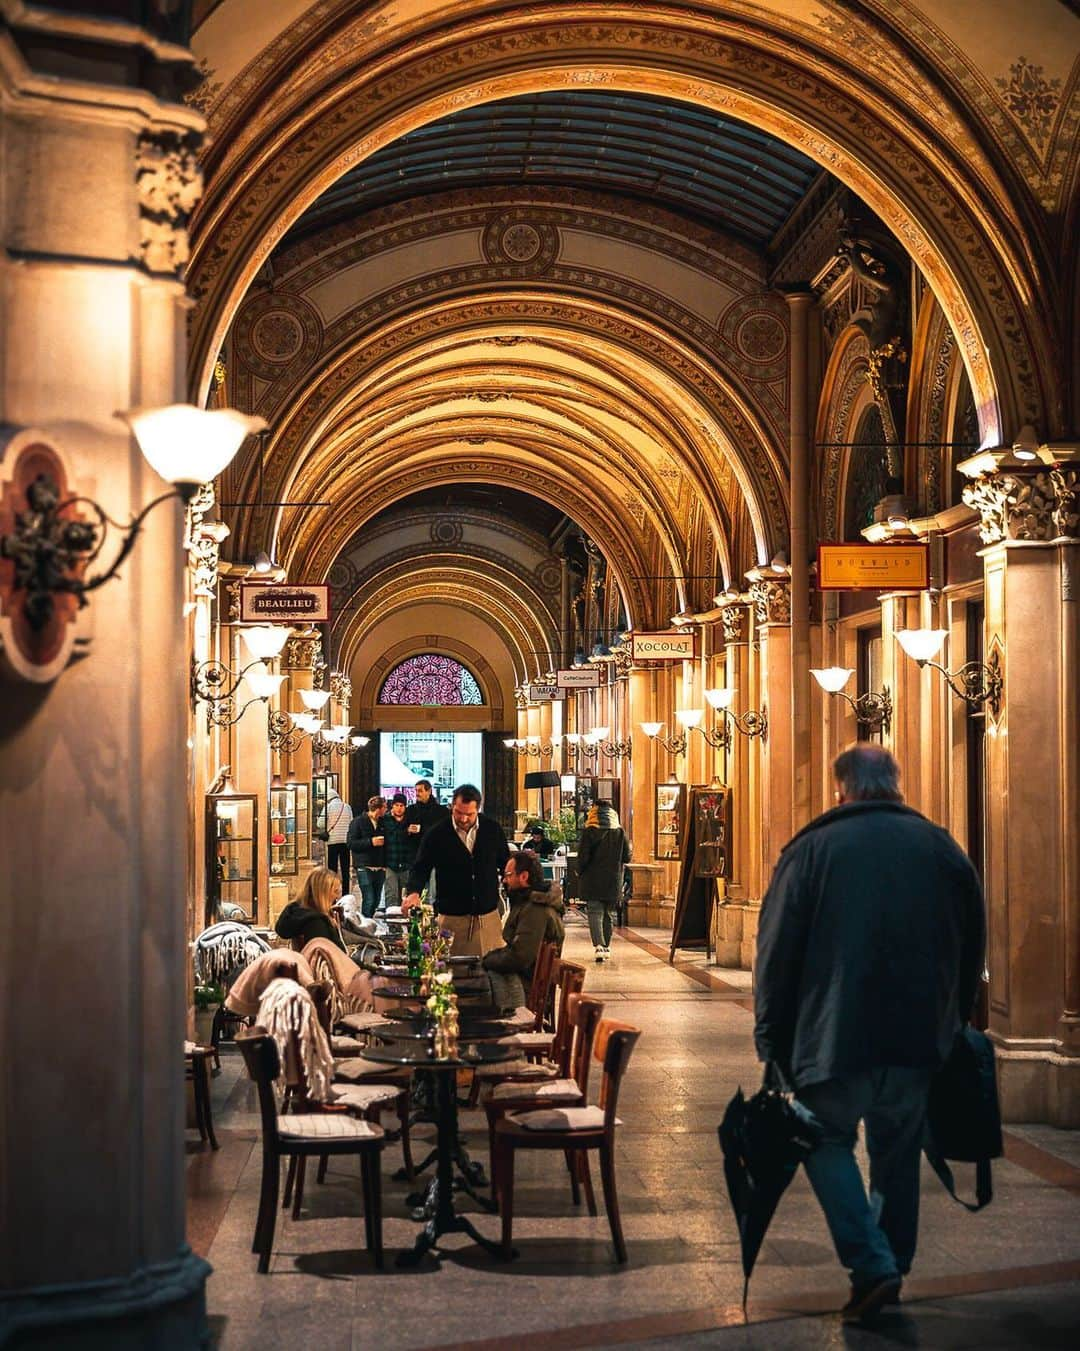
(870, 949)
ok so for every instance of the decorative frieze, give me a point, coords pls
(169, 184)
(1039, 505)
(303, 652)
(733, 619)
(203, 540)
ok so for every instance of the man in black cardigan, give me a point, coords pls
(468, 852)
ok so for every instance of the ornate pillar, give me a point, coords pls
(771, 597)
(100, 156)
(1030, 520)
(799, 306)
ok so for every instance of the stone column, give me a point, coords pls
(1030, 521)
(772, 603)
(93, 776)
(799, 305)
(641, 823)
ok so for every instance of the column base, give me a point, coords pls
(1038, 1085)
(734, 934)
(163, 1306)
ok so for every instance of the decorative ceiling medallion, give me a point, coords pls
(39, 651)
(511, 237)
(760, 337)
(447, 532)
(274, 330)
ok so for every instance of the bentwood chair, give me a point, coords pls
(327, 1131)
(572, 1128)
(569, 1089)
(569, 979)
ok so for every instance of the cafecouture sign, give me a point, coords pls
(583, 678)
(262, 603)
(873, 567)
(673, 645)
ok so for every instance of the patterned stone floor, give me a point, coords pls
(1006, 1278)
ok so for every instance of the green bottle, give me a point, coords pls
(416, 942)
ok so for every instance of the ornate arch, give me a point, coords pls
(885, 138)
(845, 396)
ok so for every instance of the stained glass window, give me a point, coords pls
(430, 679)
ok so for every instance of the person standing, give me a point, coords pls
(366, 846)
(338, 819)
(603, 852)
(421, 815)
(468, 852)
(869, 953)
(399, 850)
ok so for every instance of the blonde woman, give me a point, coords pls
(311, 915)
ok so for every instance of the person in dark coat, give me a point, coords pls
(311, 915)
(603, 852)
(420, 816)
(538, 843)
(366, 845)
(869, 952)
(468, 852)
(536, 911)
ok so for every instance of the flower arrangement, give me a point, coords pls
(442, 1005)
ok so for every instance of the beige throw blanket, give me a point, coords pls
(247, 990)
(287, 1012)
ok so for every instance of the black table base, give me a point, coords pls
(437, 1203)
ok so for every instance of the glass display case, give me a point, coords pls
(320, 785)
(303, 820)
(670, 807)
(232, 835)
(283, 855)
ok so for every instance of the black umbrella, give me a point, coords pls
(764, 1140)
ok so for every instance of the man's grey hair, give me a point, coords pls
(868, 774)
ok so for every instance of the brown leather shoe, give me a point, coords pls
(867, 1300)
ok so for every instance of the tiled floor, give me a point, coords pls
(1006, 1278)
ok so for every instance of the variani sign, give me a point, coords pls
(271, 603)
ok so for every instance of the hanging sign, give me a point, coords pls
(544, 694)
(873, 567)
(579, 678)
(672, 645)
(271, 603)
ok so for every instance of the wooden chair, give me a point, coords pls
(297, 1136)
(572, 1128)
(570, 1089)
(569, 979)
(536, 1041)
(197, 1069)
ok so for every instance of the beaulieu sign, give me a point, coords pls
(274, 603)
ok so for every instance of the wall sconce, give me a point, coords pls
(531, 745)
(976, 682)
(872, 709)
(754, 722)
(50, 547)
(214, 684)
(675, 745)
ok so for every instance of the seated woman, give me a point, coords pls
(536, 910)
(311, 915)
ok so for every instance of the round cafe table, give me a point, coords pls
(437, 1208)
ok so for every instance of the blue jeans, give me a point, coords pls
(874, 1237)
(397, 885)
(371, 886)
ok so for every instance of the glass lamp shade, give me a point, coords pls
(689, 717)
(508, 742)
(308, 722)
(359, 741)
(189, 445)
(265, 641)
(261, 682)
(721, 698)
(922, 644)
(652, 729)
(591, 739)
(601, 733)
(314, 700)
(833, 678)
(573, 738)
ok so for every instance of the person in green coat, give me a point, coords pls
(536, 911)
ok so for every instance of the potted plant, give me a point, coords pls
(208, 998)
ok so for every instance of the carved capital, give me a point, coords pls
(303, 652)
(1042, 504)
(341, 688)
(203, 540)
(771, 600)
(169, 184)
(733, 619)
